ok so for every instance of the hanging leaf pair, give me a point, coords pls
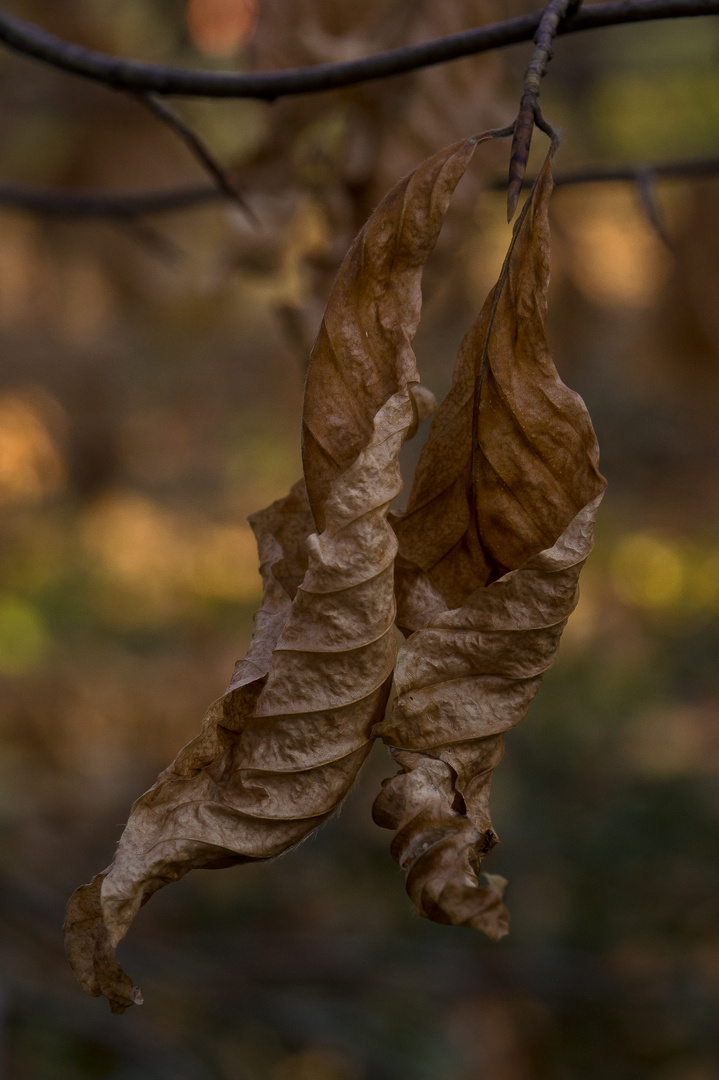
(480, 574)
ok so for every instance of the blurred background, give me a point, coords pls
(150, 398)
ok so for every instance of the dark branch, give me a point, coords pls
(140, 77)
(199, 150)
(631, 174)
(529, 112)
(669, 170)
(79, 203)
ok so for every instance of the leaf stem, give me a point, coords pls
(529, 112)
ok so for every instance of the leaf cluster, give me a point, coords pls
(480, 574)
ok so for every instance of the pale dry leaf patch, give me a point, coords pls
(498, 525)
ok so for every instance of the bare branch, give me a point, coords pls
(669, 170)
(83, 203)
(164, 112)
(529, 113)
(139, 77)
(86, 203)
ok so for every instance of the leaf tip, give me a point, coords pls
(120, 1005)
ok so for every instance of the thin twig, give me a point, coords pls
(165, 112)
(529, 113)
(646, 180)
(139, 77)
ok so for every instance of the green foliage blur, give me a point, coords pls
(150, 398)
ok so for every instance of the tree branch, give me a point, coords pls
(529, 112)
(79, 203)
(140, 77)
(670, 170)
(85, 203)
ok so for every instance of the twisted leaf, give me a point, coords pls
(281, 748)
(511, 455)
(363, 352)
(280, 532)
(498, 526)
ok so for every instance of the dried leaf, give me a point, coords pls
(280, 532)
(507, 485)
(511, 456)
(363, 351)
(279, 751)
(463, 681)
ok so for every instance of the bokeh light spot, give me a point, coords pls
(616, 259)
(151, 564)
(23, 638)
(31, 465)
(221, 27)
(648, 571)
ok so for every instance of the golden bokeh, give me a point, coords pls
(31, 464)
(151, 563)
(221, 27)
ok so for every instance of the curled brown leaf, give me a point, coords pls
(498, 526)
(511, 455)
(279, 751)
(280, 531)
(363, 352)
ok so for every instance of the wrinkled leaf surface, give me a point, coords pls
(511, 456)
(281, 748)
(363, 352)
(498, 526)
